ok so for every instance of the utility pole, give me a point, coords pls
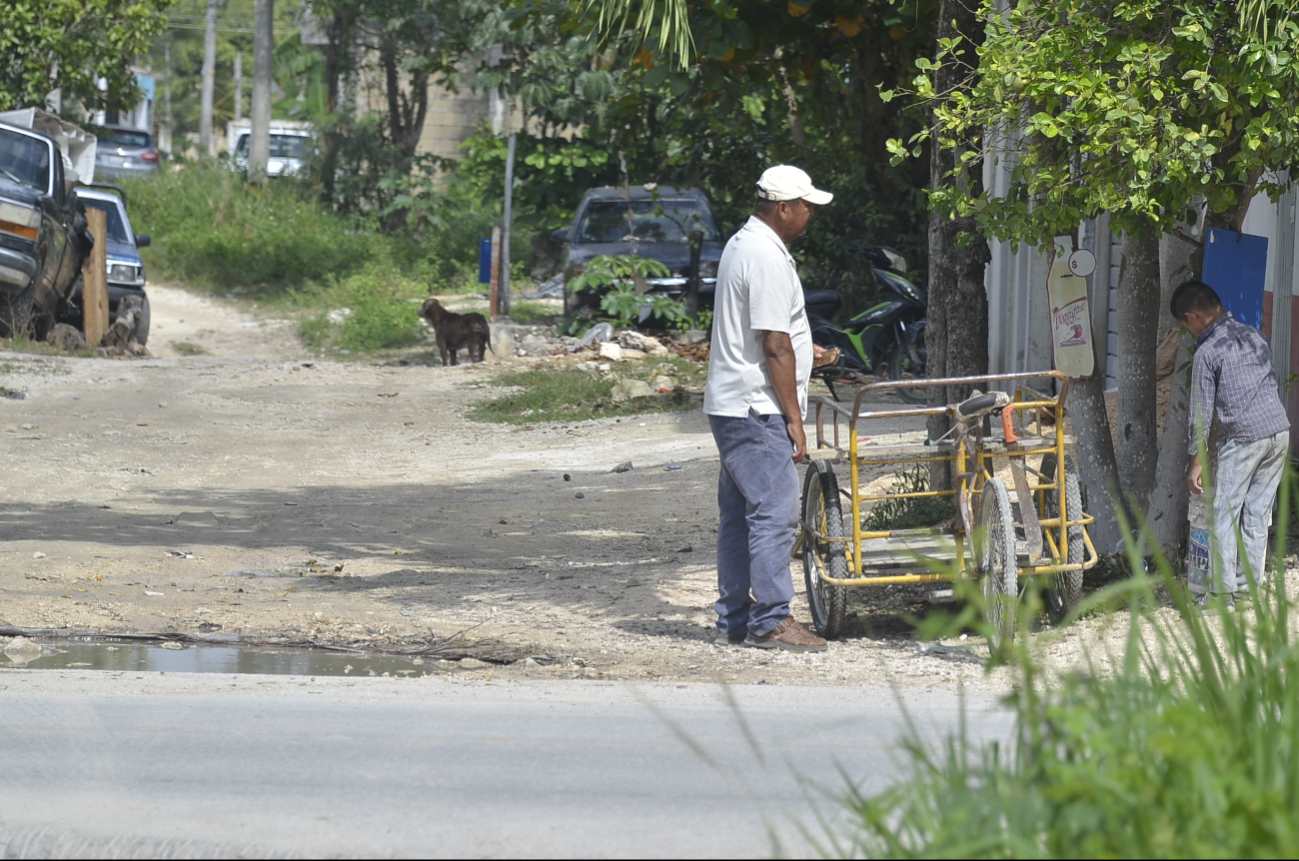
(505, 233)
(239, 85)
(166, 53)
(259, 144)
(206, 142)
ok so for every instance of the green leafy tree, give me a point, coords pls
(175, 54)
(726, 89)
(70, 45)
(1141, 109)
(405, 46)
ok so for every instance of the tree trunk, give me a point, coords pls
(405, 112)
(206, 140)
(1138, 318)
(956, 334)
(259, 143)
(1166, 515)
(340, 32)
(1179, 260)
(1088, 417)
(1097, 468)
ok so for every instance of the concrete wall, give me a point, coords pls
(452, 117)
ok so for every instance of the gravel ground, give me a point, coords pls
(257, 491)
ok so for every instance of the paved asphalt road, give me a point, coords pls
(149, 764)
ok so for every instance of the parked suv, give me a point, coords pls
(43, 236)
(125, 152)
(125, 267)
(652, 222)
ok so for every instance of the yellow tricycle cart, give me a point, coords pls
(997, 541)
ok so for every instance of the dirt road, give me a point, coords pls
(256, 491)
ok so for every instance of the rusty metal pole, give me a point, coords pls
(94, 280)
(493, 294)
(505, 233)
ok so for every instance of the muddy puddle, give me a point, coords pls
(137, 657)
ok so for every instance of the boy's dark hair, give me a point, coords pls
(1193, 296)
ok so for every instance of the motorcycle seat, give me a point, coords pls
(821, 297)
(822, 302)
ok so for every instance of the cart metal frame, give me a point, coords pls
(972, 454)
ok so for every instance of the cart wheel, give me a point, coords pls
(1066, 589)
(1000, 577)
(821, 509)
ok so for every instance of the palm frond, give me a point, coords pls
(670, 17)
(1259, 18)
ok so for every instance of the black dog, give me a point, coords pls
(454, 331)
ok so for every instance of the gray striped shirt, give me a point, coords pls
(1232, 375)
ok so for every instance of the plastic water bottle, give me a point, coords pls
(1198, 559)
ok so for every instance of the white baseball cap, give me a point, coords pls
(786, 182)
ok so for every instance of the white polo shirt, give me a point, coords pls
(757, 291)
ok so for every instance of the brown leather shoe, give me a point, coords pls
(790, 636)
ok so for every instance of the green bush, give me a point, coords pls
(380, 311)
(616, 276)
(380, 319)
(1186, 745)
(212, 230)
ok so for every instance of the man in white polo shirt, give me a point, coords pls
(758, 369)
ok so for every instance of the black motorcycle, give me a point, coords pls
(887, 338)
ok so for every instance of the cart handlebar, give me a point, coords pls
(980, 404)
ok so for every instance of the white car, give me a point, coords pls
(289, 144)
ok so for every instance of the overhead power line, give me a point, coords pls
(220, 28)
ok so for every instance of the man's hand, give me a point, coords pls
(1193, 481)
(798, 438)
(779, 353)
(817, 351)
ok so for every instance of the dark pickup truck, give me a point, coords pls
(43, 237)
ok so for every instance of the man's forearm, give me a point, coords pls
(1203, 399)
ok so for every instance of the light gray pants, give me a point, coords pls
(1244, 489)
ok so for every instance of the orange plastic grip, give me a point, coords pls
(1008, 424)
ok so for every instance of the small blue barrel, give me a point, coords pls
(484, 261)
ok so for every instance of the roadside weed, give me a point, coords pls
(564, 393)
(39, 367)
(23, 344)
(188, 348)
(1183, 743)
(909, 512)
(381, 318)
(522, 311)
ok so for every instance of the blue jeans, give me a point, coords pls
(757, 494)
(1244, 489)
